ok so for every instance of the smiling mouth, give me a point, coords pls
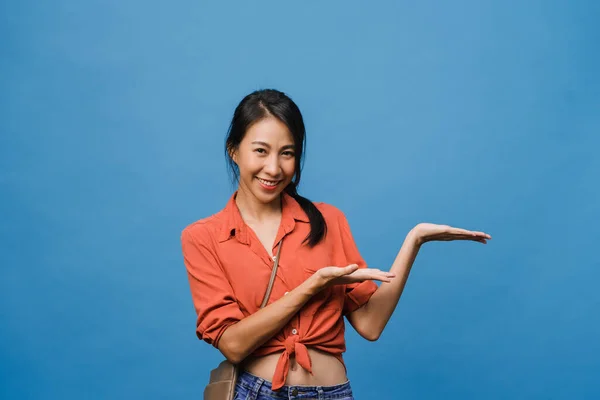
(268, 183)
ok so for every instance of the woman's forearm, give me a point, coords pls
(245, 336)
(371, 319)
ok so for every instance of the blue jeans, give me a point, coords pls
(250, 387)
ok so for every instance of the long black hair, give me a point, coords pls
(273, 103)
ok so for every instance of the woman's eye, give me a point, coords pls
(260, 151)
(289, 153)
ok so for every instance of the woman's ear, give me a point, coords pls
(233, 154)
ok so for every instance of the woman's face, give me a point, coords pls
(266, 159)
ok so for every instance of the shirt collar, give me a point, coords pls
(234, 225)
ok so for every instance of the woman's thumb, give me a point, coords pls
(351, 268)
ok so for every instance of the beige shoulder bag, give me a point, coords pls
(223, 378)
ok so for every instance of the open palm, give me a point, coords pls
(353, 274)
(427, 232)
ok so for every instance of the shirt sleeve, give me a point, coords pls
(357, 294)
(213, 297)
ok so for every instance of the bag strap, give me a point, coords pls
(273, 273)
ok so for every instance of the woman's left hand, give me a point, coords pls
(425, 232)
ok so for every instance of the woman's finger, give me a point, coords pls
(385, 278)
(478, 235)
(459, 231)
(350, 269)
(380, 275)
(482, 234)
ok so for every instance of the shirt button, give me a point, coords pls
(285, 293)
(294, 332)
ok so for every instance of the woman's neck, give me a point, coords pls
(253, 210)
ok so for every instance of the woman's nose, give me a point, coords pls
(272, 166)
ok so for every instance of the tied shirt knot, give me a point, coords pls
(293, 347)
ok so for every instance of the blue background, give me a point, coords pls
(482, 115)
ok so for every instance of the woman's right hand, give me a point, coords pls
(351, 274)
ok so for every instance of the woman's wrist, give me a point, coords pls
(314, 284)
(414, 236)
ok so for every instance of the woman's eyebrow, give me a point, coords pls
(267, 145)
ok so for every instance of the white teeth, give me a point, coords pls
(268, 183)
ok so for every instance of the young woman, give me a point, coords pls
(291, 348)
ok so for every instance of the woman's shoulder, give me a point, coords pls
(205, 228)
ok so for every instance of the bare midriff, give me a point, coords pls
(327, 369)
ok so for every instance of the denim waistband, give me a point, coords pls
(257, 388)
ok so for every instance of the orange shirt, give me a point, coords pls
(229, 270)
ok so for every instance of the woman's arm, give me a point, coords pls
(220, 321)
(245, 336)
(370, 320)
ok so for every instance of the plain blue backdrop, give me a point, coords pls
(482, 115)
